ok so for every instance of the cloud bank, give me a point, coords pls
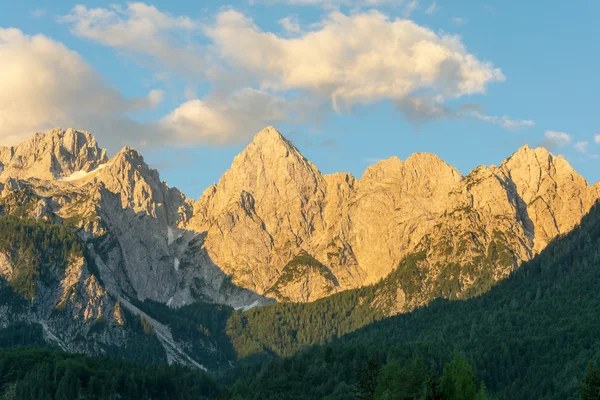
(44, 84)
(335, 65)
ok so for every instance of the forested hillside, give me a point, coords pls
(45, 375)
(529, 337)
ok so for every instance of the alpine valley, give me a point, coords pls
(99, 256)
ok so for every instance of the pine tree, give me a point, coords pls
(367, 383)
(591, 383)
(482, 393)
(458, 380)
(68, 387)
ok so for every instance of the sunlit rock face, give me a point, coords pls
(52, 155)
(273, 203)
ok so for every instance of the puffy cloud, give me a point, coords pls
(597, 138)
(557, 139)
(399, 57)
(581, 147)
(224, 120)
(285, 78)
(141, 30)
(44, 84)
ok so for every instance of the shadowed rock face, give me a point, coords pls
(133, 222)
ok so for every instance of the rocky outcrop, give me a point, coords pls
(396, 203)
(304, 279)
(52, 155)
(552, 197)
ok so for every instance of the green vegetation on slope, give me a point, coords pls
(530, 337)
(296, 269)
(31, 244)
(200, 325)
(45, 375)
(285, 328)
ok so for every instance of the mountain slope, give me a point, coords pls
(129, 246)
(530, 336)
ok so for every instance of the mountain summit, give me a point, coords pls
(273, 204)
(56, 154)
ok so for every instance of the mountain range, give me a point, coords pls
(116, 247)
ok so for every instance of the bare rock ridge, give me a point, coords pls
(273, 204)
(52, 155)
(133, 222)
(280, 228)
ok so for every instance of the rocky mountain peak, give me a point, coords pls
(130, 156)
(270, 168)
(383, 168)
(55, 154)
(268, 134)
(419, 171)
(526, 158)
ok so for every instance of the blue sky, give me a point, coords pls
(189, 83)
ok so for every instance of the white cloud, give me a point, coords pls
(399, 58)
(43, 84)
(224, 120)
(597, 138)
(504, 121)
(141, 30)
(459, 20)
(557, 139)
(259, 77)
(431, 9)
(581, 147)
(290, 24)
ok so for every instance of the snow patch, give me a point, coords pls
(169, 235)
(77, 175)
(176, 264)
(169, 302)
(248, 307)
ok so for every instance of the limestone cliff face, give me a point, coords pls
(304, 279)
(273, 204)
(262, 210)
(395, 204)
(553, 195)
(52, 155)
(496, 218)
